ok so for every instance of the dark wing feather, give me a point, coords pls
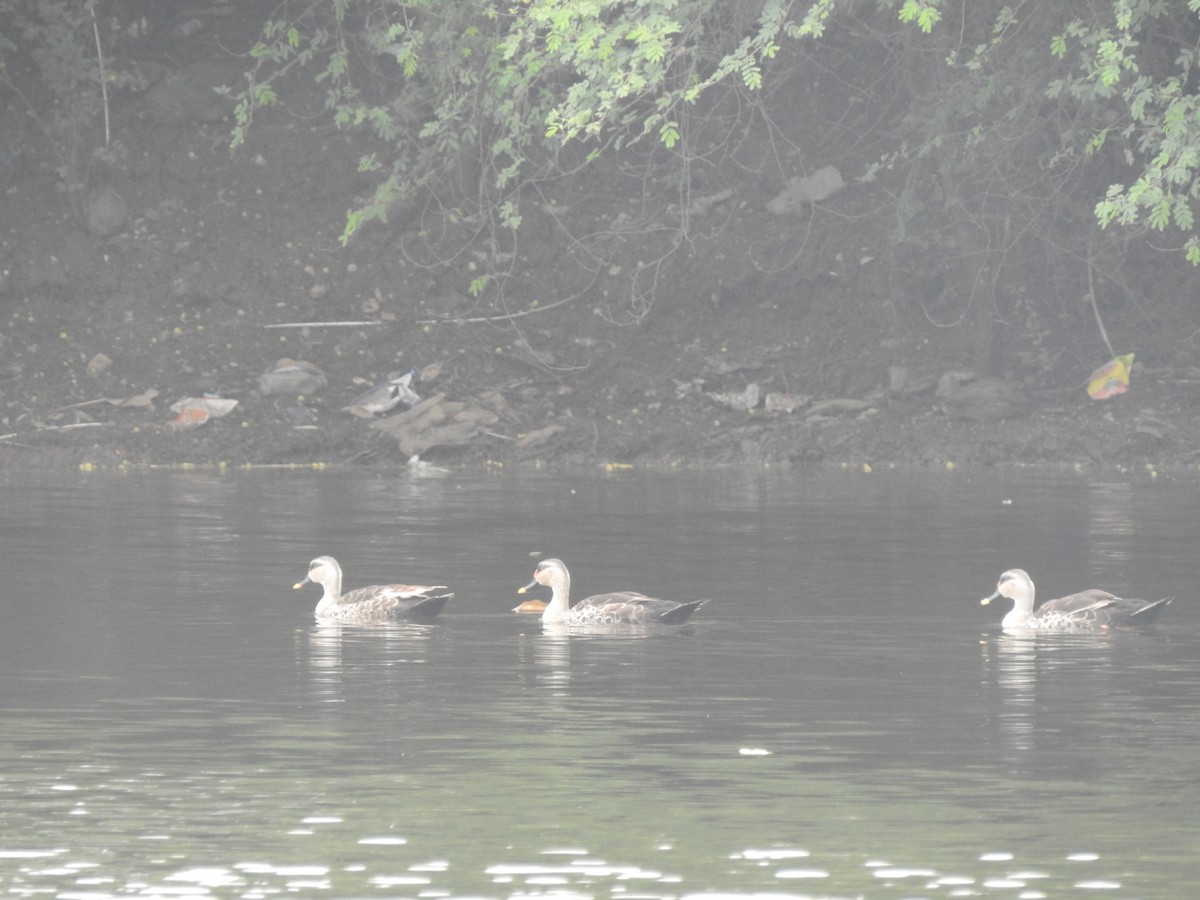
(1145, 613)
(424, 607)
(680, 613)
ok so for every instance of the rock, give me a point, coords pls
(437, 422)
(776, 402)
(742, 401)
(964, 394)
(701, 206)
(539, 436)
(800, 192)
(106, 213)
(907, 382)
(292, 376)
(99, 364)
(838, 406)
(187, 96)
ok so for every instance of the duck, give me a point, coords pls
(1091, 610)
(374, 603)
(616, 608)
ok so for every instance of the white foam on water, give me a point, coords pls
(801, 873)
(900, 872)
(775, 853)
(388, 881)
(207, 876)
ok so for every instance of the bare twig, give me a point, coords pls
(39, 427)
(321, 324)
(504, 317)
(518, 314)
(1092, 297)
(103, 73)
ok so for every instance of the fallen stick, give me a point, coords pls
(320, 324)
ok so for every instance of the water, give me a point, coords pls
(843, 720)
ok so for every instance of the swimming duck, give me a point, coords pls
(376, 603)
(617, 608)
(1090, 610)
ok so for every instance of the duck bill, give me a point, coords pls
(300, 584)
(528, 587)
(988, 599)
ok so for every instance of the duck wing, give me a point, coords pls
(1078, 604)
(611, 608)
(1100, 609)
(382, 602)
(634, 608)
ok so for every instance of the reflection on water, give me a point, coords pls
(1016, 665)
(1010, 670)
(569, 872)
(1110, 524)
(834, 726)
(544, 659)
(338, 657)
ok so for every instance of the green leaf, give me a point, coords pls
(923, 12)
(1182, 214)
(1160, 213)
(478, 285)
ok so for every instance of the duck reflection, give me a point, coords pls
(335, 658)
(1039, 689)
(545, 658)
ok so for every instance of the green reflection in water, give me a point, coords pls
(220, 799)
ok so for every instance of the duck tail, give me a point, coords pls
(1150, 611)
(429, 607)
(681, 613)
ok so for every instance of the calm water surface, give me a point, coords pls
(844, 720)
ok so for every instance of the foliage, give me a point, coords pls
(482, 97)
(1013, 107)
(1123, 74)
(65, 45)
(1144, 62)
